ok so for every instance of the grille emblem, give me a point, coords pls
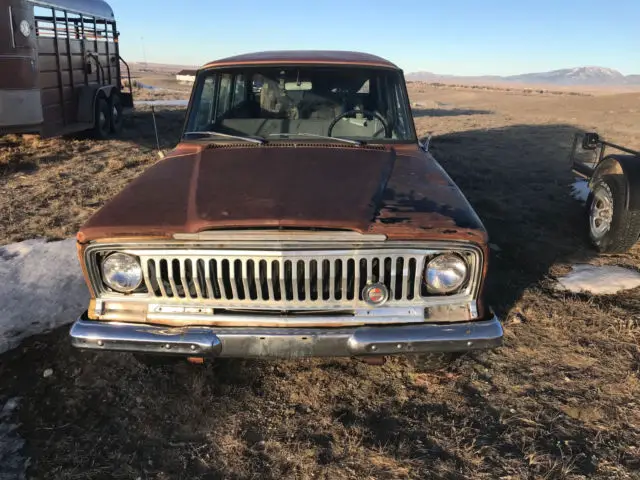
(375, 294)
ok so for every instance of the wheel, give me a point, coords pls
(102, 125)
(613, 228)
(115, 108)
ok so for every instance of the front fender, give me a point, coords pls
(628, 166)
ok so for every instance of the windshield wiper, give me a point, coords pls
(259, 140)
(303, 134)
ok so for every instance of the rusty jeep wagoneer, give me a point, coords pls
(298, 216)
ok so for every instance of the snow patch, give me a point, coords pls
(580, 190)
(599, 280)
(41, 288)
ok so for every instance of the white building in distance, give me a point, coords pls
(186, 76)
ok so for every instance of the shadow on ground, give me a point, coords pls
(507, 413)
(27, 154)
(517, 179)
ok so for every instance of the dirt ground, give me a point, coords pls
(561, 399)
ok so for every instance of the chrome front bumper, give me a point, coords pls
(286, 342)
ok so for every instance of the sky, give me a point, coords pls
(460, 37)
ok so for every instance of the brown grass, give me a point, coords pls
(50, 187)
(559, 400)
(145, 94)
(417, 86)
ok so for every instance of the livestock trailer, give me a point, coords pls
(60, 68)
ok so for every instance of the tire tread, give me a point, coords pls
(625, 226)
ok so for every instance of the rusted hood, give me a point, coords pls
(421, 201)
(401, 194)
(249, 187)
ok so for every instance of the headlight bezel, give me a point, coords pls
(105, 276)
(457, 287)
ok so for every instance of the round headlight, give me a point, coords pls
(446, 273)
(122, 272)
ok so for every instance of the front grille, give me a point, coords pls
(268, 279)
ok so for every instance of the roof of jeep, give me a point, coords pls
(321, 57)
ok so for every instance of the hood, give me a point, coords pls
(420, 200)
(402, 195)
(237, 187)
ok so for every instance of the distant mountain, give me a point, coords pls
(435, 77)
(594, 76)
(633, 79)
(573, 76)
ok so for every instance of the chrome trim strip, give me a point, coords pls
(183, 314)
(11, 31)
(271, 235)
(286, 342)
(248, 320)
(311, 243)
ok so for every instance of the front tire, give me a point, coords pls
(613, 228)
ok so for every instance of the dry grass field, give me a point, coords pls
(561, 399)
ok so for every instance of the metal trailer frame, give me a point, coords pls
(63, 70)
(592, 141)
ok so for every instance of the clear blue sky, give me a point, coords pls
(462, 37)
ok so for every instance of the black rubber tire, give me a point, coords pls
(102, 123)
(625, 224)
(115, 108)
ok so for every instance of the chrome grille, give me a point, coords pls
(282, 279)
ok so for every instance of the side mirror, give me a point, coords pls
(424, 142)
(590, 141)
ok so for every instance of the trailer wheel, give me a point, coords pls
(115, 108)
(613, 228)
(102, 126)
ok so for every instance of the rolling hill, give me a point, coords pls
(595, 76)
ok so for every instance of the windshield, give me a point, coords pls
(312, 103)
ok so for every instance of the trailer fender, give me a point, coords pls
(87, 101)
(628, 166)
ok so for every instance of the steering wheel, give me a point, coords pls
(368, 114)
